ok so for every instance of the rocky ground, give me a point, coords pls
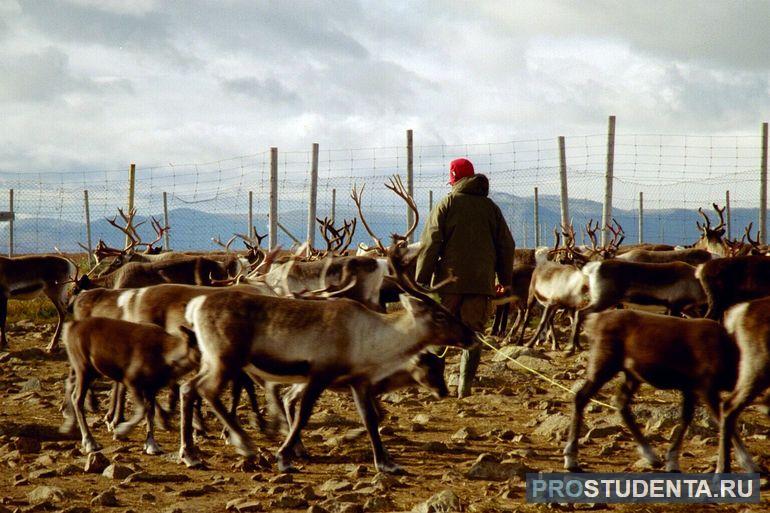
(468, 454)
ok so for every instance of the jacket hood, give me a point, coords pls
(476, 185)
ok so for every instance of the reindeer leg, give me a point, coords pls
(188, 453)
(290, 400)
(118, 414)
(82, 381)
(527, 315)
(150, 445)
(313, 389)
(688, 408)
(122, 429)
(752, 381)
(210, 385)
(624, 398)
(67, 408)
(600, 372)
(548, 313)
(57, 297)
(365, 403)
(251, 392)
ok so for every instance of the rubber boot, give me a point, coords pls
(469, 364)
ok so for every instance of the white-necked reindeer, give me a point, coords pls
(278, 340)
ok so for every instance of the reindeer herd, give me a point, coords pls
(298, 322)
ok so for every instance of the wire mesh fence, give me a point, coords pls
(676, 174)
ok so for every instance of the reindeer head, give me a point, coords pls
(428, 370)
(712, 239)
(441, 327)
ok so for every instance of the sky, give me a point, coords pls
(92, 84)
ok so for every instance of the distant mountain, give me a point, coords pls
(193, 229)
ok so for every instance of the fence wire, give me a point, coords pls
(676, 174)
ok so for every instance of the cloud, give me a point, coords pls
(269, 90)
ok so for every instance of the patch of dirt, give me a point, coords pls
(512, 415)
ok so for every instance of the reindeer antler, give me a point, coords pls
(356, 196)
(397, 186)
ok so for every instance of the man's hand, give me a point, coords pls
(501, 291)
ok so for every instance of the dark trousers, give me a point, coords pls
(473, 309)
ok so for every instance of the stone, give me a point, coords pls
(288, 502)
(488, 468)
(96, 462)
(442, 502)
(106, 498)
(315, 508)
(282, 479)
(42, 473)
(554, 427)
(333, 486)
(243, 505)
(357, 472)
(45, 495)
(598, 433)
(379, 503)
(69, 470)
(536, 363)
(435, 446)
(384, 482)
(465, 433)
(421, 419)
(117, 471)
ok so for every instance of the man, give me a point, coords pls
(467, 234)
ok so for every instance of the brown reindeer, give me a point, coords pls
(694, 356)
(277, 339)
(27, 277)
(727, 281)
(712, 239)
(147, 360)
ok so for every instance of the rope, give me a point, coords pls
(540, 374)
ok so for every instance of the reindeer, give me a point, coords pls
(694, 356)
(278, 340)
(425, 369)
(522, 277)
(692, 256)
(727, 281)
(748, 324)
(192, 270)
(28, 277)
(147, 360)
(673, 285)
(712, 239)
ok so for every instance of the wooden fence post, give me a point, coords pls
(409, 178)
(166, 236)
(273, 226)
(563, 180)
(729, 216)
(641, 218)
(250, 220)
(10, 223)
(334, 204)
(311, 207)
(536, 224)
(763, 189)
(430, 202)
(131, 191)
(608, 178)
(88, 228)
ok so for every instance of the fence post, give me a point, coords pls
(311, 207)
(763, 189)
(729, 216)
(536, 224)
(273, 226)
(10, 223)
(409, 178)
(250, 220)
(88, 228)
(563, 179)
(430, 202)
(608, 177)
(166, 236)
(524, 227)
(334, 204)
(131, 190)
(641, 217)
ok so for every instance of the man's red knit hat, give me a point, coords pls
(459, 169)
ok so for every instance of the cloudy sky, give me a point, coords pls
(98, 83)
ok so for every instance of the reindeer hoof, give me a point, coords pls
(300, 452)
(571, 464)
(189, 459)
(90, 446)
(389, 467)
(284, 463)
(152, 448)
(120, 432)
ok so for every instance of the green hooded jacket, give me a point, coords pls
(467, 233)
